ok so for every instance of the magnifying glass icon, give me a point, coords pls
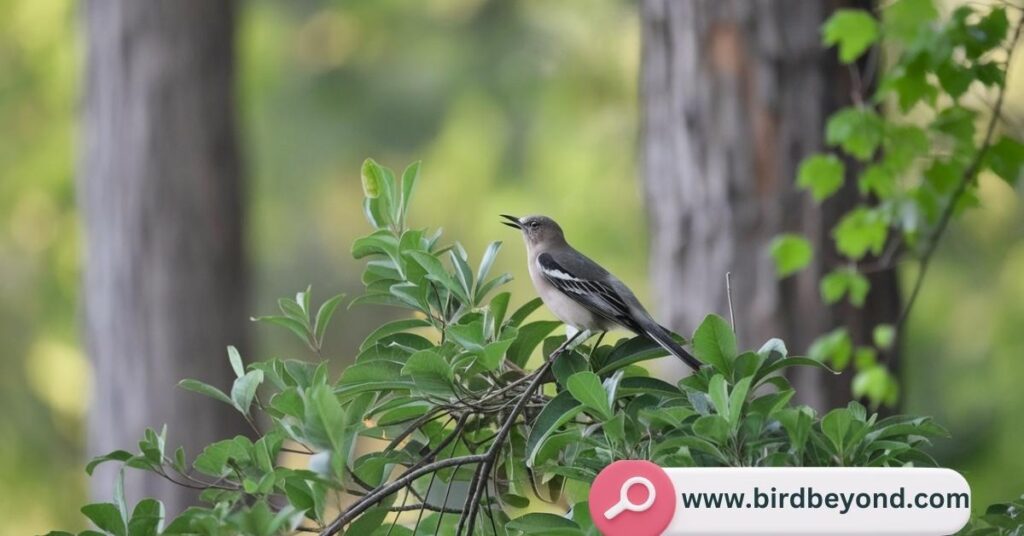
(624, 502)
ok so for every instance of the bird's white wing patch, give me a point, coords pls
(557, 274)
(597, 296)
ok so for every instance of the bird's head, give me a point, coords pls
(536, 229)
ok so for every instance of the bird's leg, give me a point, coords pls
(574, 338)
(596, 344)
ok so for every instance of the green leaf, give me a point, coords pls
(712, 427)
(943, 176)
(524, 311)
(293, 310)
(748, 363)
(106, 517)
(615, 429)
(903, 145)
(911, 84)
(436, 271)
(884, 335)
(854, 30)
(860, 231)
(858, 131)
(905, 18)
(558, 411)
(629, 352)
(639, 385)
(431, 373)
(463, 273)
(213, 460)
(877, 385)
(845, 281)
(957, 122)
(834, 346)
(371, 177)
(373, 375)
(493, 353)
(115, 456)
(836, 425)
(989, 73)
(179, 459)
(147, 518)
(719, 394)
(391, 328)
(515, 501)
(236, 361)
(381, 242)
(737, 398)
(877, 179)
(773, 349)
(197, 386)
(714, 343)
(528, 338)
(586, 387)
(409, 178)
(1006, 159)
(954, 78)
(547, 524)
(402, 414)
(470, 335)
(791, 253)
(497, 309)
(568, 364)
(486, 288)
(290, 324)
(288, 402)
(797, 422)
(330, 415)
(244, 390)
(324, 314)
(490, 254)
(821, 174)
(379, 189)
(987, 34)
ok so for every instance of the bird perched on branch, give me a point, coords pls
(580, 292)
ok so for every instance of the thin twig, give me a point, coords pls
(480, 477)
(426, 495)
(370, 499)
(728, 295)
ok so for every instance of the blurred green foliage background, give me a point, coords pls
(514, 107)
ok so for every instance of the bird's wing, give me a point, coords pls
(588, 289)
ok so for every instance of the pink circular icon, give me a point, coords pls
(632, 498)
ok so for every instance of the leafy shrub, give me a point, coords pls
(463, 429)
(999, 519)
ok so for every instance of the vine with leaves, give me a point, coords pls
(934, 124)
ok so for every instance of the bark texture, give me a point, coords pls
(735, 93)
(159, 188)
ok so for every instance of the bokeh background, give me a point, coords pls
(515, 107)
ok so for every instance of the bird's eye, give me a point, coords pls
(534, 224)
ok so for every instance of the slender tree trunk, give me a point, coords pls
(735, 94)
(160, 191)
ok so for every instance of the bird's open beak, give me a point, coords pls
(512, 221)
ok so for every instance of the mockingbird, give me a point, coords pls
(580, 292)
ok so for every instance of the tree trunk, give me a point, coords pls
(735, 94)
(160, 192)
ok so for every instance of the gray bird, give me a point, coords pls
(580, 292)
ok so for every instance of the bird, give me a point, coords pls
(581, 293)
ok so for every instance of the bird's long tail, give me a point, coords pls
(662, 336)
